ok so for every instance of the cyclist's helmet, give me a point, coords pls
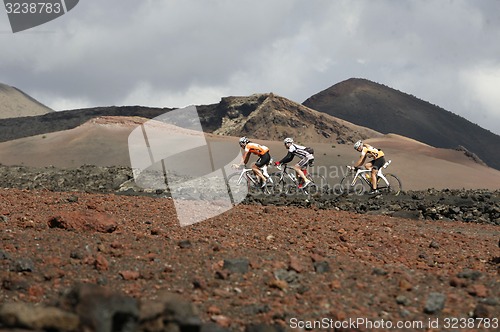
(287, 140)
(358, 144)
(244, 141)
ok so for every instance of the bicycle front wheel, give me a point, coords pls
(394, 186)
(320, 182)
(238, 188)
(312, 190)
(348, 186)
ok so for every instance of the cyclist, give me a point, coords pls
(306, 155)
(261, 151)
(374, 165)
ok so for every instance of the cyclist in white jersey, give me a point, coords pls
(306, 158)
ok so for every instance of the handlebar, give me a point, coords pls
(281, 166)
(236, 166)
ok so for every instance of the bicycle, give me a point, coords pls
(247, 179)
(359, 181)
(286, 182)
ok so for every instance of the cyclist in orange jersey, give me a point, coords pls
(261, 151)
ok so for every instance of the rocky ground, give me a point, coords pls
(79, 255)
(476, 206)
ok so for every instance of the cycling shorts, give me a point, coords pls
(263, 160)
(378, 163)
(305, 161)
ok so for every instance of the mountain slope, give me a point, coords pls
(387, 110)
(14, 128)
(101, 141)
(272, 117)
(15, 103)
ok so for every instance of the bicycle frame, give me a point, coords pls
(286, 181)
(247, 172)
(291, 175)
(360, 174)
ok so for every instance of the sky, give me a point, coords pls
(175, 53)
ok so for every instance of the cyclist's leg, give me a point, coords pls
(258, 173)
(299, 166)
(306, 170)
(369, 166)
(263, 160)
(376, 165)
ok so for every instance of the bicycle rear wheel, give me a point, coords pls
(254, 186)
(394, 187)
(268, 189)
(347, 186)
(276, 186)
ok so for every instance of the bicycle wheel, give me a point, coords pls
(394, 187)
(254, 185)
(312, 190)
(276, 186)
(291, 186)
(268, 189)
(320, 182)
(238, 189)
(347, 187)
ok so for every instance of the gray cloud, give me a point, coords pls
(176, 53)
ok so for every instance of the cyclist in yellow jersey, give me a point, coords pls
(261, 151)
(378, 160)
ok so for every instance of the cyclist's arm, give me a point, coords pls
(246, 156)
(360, 162)
(288, 158)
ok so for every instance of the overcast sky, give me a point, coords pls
(174, 53)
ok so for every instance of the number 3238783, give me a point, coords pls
(33, 8)
(470, 323)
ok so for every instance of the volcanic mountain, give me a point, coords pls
(387, 110)
(15, 103)
(272, 117)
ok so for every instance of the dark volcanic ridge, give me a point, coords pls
(388, 110)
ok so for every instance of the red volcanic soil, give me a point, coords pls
(282, 266)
